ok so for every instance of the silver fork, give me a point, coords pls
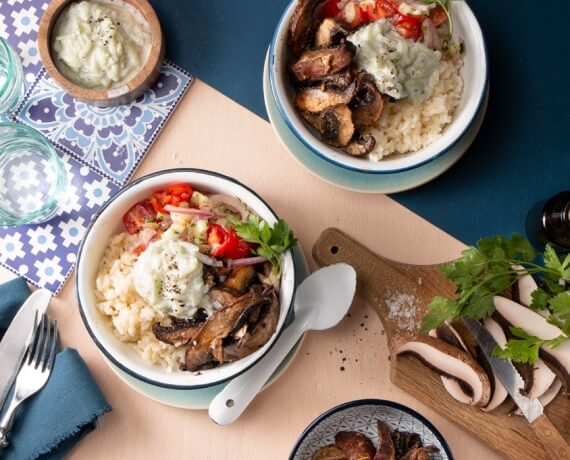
(33, 374)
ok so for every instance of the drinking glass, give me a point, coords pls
(11, 78)
(33, 178)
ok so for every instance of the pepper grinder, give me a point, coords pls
(549, 222)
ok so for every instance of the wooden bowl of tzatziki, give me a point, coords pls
(103, 52)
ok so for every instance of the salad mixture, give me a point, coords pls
(197, 272)
(375, 77)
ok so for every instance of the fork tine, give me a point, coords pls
(31, 347)
(46, 347)
(40, 342)
(51, 357)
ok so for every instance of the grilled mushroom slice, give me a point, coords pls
(367, 104)
(386, 449)
(316, 100)
(330, 32)
(330, 452)
(334, 124)
(207, 346)
(450, 361)
(420, 453)
(356, 446)
(404, 441)
(317, 64)
(178, 334)
(302, 25)
(240, 278)
(508, 312)
(361, 144)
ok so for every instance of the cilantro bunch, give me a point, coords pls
(271, 242)
(491, 268)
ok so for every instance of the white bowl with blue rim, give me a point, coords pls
(361, 416)
(108, 222)
(475, 77)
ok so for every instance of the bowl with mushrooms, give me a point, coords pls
(379, 86)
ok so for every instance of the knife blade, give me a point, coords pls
(555, 446)
(18, 337)
(505, 371)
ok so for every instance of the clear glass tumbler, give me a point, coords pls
(11, 79)
(33, 178)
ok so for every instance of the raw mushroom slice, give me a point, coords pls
(543, 378)
(458, 391)
(547, 397)
(499, 392)
(523, 289)
(515, 314)
(452, 362)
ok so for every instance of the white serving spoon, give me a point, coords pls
(321, 301)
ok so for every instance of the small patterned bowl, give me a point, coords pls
(361, 415)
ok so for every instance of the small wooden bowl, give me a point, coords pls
(106, 97)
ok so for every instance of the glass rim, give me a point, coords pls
(7, 49)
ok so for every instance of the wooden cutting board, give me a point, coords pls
(400, 293)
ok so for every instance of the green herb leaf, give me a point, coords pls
(523, 348)
(272, 241)
(440, 311)
(540, 299)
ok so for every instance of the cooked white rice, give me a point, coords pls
(130, 316)
(406, 126)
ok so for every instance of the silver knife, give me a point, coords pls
(554, 444)
(17, 339)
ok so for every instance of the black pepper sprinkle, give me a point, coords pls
(365, 316)
(342, 368)
(348, 314)
(361, 324)
(340, 351)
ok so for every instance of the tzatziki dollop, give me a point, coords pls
(400, 67)
(168, 275)
(100, 43)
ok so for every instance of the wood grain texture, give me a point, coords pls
(107, 97)
(381, 281)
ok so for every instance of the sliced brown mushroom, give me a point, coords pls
(330, 452)
(354, 445)
(499, 391)
(420, 453)
(524, 287)
(302, 25)
(330, 32)
(317, 64)
(206, 347)
(360, 145)
(404, 441)
(386, 449)
(178, 334)
(367, 104)
(316, 100)
(456, 388)
(558, 359)
(257, 331)
(450, 361)
(240, 278)
(548, 396)
(334, 124)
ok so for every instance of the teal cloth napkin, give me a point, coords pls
(55, 419)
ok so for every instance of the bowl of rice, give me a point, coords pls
(409, 133)
(120, 320)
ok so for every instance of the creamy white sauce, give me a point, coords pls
(169, 277)
(400, 67)
(100, 43)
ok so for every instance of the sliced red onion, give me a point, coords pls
(146, 236)
(232, 202)
(197, 213)
(247, 261)
(431, 37)
(207, 260)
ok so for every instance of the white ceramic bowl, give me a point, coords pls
(108, 222)
(475, 77)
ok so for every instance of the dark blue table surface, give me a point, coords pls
(521, 154)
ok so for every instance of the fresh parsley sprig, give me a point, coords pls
(272, 242)
(492, 267)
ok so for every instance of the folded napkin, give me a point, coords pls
(66, 409)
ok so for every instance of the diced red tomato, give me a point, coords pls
(438, 16)
(409, 26)
(380, 9)
(138, 250)
(139, 214)
(174, 195)
(331, 9)
(225, 243)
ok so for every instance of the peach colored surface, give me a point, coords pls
(210, 131)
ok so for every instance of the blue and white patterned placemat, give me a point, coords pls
(101, 149)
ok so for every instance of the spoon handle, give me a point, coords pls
(229, 404)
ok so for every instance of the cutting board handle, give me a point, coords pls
(553, 442)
